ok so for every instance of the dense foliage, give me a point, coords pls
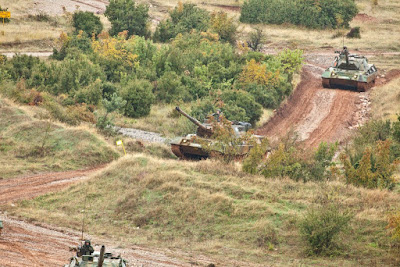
(374, 156)
(199, 65)
(183, 19)
(87, 22)
(309, 13)
(320, 228)
(126, 15)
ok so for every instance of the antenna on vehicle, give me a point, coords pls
(343, 41)
(83, 215)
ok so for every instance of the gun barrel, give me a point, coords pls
(101, 258)
(191, 118)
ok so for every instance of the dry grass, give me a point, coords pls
(29, 145)
(379, 33)
(386, 101)
(160, 120)
(215, 209)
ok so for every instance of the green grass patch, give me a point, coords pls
(28, 145)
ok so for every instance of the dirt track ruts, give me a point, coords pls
(317, 114)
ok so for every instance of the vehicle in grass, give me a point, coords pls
(192, 145)
(350, 70)
(97, 259)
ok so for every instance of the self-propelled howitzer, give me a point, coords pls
(192, 145)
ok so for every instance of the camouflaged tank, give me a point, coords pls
(350, 70)
(97, 259)
(191, 146)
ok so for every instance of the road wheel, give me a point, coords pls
(326, 83)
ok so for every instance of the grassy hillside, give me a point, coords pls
(215, 209)
(29, 145)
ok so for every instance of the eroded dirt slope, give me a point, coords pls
(317, 114)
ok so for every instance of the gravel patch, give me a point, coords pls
(143, 135)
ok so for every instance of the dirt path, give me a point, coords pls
(317, 114)
(31, 186)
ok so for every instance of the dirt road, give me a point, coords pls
(317, 114)
(26, 244)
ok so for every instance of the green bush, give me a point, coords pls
(240, 106)
(224, 26)
(126, 15)
(170, 88)
(183, 19)
(91, 94)
(75, 73)
(309, 13)
(87, 22)
(21, 66)
(139, 98)
(73, 45)
(320, 228)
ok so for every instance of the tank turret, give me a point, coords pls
(203, 130)
(350, 70)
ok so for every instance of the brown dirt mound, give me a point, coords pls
(364, 18)
(227, 7)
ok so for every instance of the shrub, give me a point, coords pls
(170, 88)
(104, 122)
(126, 15)
(256, 39)
(20, 66)
(139, 98)
(354, 33)
(91, 94)
(309, 13)
(224, 26)
(72, 45)
(320, 228)
(256, 155)
(183, 19)
(374, 170)
(87, 22)
(75, 73)
(240, 105)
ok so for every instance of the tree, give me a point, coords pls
(126, 15)
(87, 22)
(115, 103)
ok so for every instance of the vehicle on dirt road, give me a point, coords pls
(192, 145)
(350, 70)
(1, 226)
(97, 259)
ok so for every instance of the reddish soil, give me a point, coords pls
(317, 114)
(31, 186)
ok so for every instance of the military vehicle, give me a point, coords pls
(97, 259)
(192, 145)
(1, 226)
(350, 70)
